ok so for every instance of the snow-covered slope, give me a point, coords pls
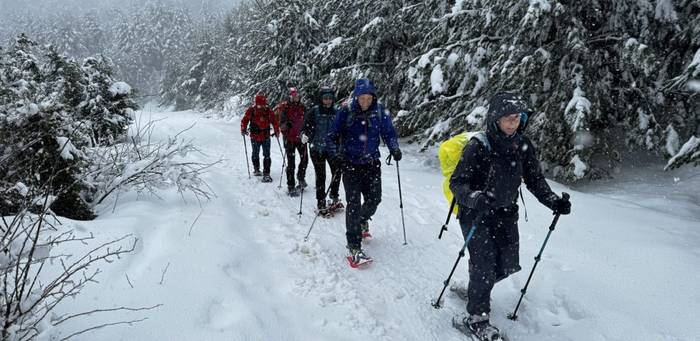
(615, 269)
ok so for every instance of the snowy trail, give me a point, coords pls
(612, 270)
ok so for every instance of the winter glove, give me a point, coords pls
(561, 206)
(304, 139)
(244, 132)
(396, 153)
(339, 161)
(479, 201)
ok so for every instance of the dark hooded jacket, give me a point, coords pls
(501, 166)
(317, 123)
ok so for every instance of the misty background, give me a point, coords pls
(138, 36)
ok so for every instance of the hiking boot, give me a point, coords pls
(479, 326)
(364, 227)
(292, 191)
(302, 184)
(266, 178)
(257, 173)
(356, 256)
(322, 209)
(335, 200)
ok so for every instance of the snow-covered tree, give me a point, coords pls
(50, 108)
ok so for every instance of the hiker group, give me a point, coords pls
(484, 179)
(347, 138)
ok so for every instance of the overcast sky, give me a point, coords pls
(44, 7)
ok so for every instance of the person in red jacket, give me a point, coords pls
(291, 114)
(259, 118)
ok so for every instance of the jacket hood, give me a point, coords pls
(364, 86)
(325, 91)
(260, 99)
(504, 104)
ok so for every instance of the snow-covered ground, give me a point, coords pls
(622, 266)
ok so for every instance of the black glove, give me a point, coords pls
(561, 206)
(244, 132)
(479, 201)
(339, 161)
(396, 153)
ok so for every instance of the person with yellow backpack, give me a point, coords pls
(485, 185)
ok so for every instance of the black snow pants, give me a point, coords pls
(361, 181)
(493, 254)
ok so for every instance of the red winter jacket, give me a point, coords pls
(291, 116)
(260, 118)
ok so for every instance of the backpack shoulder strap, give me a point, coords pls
(481, 136)
(350, 118)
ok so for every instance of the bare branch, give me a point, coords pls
(95, 311)
(103, 326)
(162, 277)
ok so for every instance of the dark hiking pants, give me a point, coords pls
(493, 255)
(290, 149)
(267, 161)
(361, 182)
(319, 161)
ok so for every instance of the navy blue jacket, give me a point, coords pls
(359, 133)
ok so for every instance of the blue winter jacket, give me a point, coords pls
(359, 131)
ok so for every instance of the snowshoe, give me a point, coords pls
(323, 213)
(477, 327)
(330, 210)
(336, 205)
(257, 173)
(266, 178)
(358, 258)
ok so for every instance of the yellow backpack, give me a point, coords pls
(450, 153)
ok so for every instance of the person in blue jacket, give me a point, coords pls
(317, 123)
(359, 126)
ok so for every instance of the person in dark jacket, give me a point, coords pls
(317, 123)
(291, 114)
(359, 126)
(257, 119)
(485, 184)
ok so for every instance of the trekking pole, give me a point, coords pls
(398, 174)
(449, 214)
(284, 160)
(245, 147)
(513, 316)
(436, 303)
(306, 238)
(301, 197)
